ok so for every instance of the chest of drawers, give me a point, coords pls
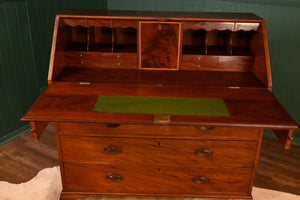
(157, 159)
(186, 56)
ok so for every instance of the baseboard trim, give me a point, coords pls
(14, 134)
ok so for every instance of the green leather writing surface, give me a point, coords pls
(161, 105)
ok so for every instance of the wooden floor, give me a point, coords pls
(22, 159)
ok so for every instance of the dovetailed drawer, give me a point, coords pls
(217, 63)
(200, 59)
(198, 62)
(119, 56)
(204, 66)
(158, 180)
(80, 59)
(116, 63)
(157, 131)
(158, 151)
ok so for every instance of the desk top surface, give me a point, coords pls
(69, 101)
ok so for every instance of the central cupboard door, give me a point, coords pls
(159, 45)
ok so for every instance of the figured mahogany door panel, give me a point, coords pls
(157, 131)
(159, 45)
(168, 180)
(205, 153)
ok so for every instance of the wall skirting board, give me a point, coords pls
(14, 134)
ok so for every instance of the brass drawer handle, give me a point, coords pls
(200, 179)
(204, 152)
(113, 149)
(114, 177)
(205, 128)
(111, 125)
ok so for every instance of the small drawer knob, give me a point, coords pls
(204, 152)
(199, 66)
(80, 55)
(200, 179)
(119, 63)
(205, 128)
(199, 58)
(114, 177)
(82, 62)
(111, 149)
(118, 56)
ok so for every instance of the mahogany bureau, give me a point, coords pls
(166, 56)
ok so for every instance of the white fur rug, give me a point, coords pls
(47, 186)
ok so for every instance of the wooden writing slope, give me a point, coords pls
(135, 55)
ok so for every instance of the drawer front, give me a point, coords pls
(239, 63)
(118, 64)
(105, 60)
(200, 59)
(217, 63)
(79, 59)
(157, 131)
(133, 179)
(158, 151)
(194, 65)
(119, 56)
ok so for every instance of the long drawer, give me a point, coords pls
(158, 131)
(159, 180)
(158, 151)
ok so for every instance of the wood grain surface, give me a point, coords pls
(22, 159)
(263, 111)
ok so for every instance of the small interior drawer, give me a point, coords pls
(118, 64)
(119, 56)
(204, 66)
(200, 58)
(158, 180)
(78, 59)
(159, 151)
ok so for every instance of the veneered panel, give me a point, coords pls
(159, 45)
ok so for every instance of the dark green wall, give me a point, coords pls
(282, 18)
(26, 28)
